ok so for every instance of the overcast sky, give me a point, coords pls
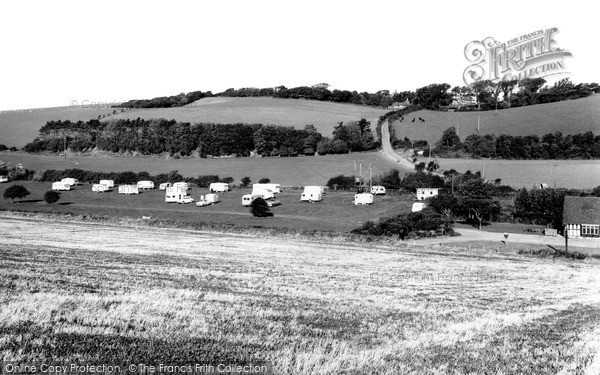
(53, 52)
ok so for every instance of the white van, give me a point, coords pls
(378, 190)
(59, 185)
(145, 185)
(70, 181)
(3, 178)
(219, 187)
(363, 198)
(249, 198)
(275, 188)
(108, 183)
(99, 188)
(128, 189)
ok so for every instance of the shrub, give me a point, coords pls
(259, 208)
(16, 192)
(245, 182)
(341, 182)
(51, 197)
(264, 180)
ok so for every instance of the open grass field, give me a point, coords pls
(335, 213)
(577, 174)
(88, 292)
(568, 117)
(286, 112)
(296, 171)
(18, 128)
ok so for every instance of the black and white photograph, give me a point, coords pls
(299, 187)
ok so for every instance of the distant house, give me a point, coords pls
(424, 193)
(400, 105)
(581, 216)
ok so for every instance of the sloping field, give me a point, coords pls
(118, 294)
(287, 112)
(568, 117)
(296, 171)
(17, 128)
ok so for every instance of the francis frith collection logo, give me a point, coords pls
(531, 55)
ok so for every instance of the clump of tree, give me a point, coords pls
(245, 182)
(474, 200)
(15, 192)
(260, 208)
(549, 146)
(542, 206)
(342, 182)
(425, 223)
(264, 180)
(166, 101)
(51, 197)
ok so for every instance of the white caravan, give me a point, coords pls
(249, 198)
(70, 181)
(181, 185)
(378, 190)
(3, 178)
(164, 186)
(128, 189)
(108, 183)
(363, 198)
(176, 194)
(264, 193)
(207, 199)
(275, 188)
(59, 185)
(145, 185)
(418, 206)
(99, 188)
(219, 187)
(312, 194)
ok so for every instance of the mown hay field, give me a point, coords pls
(292, 171)
(571, 174)
(138, 295)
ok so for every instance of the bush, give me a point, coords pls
(264, 180)
(423, 224)
(245, 182)
(51, 197)
(341, 182)
(16, 192)
(259, 208)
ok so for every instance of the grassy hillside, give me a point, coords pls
(287, 112)
(569, 117)
(17, 128)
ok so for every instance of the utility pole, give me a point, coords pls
(65, 145)
(370, 175)
(566, 239)
(477, 123)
